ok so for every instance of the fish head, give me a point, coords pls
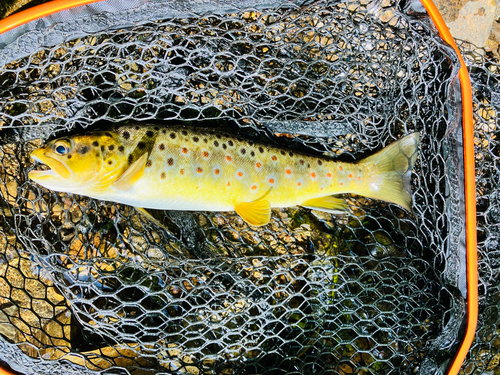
(75, 163)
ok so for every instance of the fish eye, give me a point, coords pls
(61, 148)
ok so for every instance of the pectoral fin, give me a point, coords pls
(257, 212)
(328, 204)
(132, 174)
(150, 217)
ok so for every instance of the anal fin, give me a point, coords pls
(257, 212)
(328, 204)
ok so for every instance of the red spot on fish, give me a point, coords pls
(182, 171)
(240, 174)
(271, 180)
(274, 158)
(349, 175)
(205, 154)
(199, 170)
(254, 187)
(288, 171)
(321, 189)
(184, 150)
(329, 175)
(228, 158)
(228, 183)
(258, 165)
(359, 178)
(216, 171)
(341, 183)
(313, 175)
(340, 168)
(299, 183)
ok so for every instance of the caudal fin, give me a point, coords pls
(391, 169)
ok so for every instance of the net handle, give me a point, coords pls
(470, 192)
(40, 11)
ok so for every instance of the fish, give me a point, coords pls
(176, 167)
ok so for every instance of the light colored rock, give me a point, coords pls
(474, 22)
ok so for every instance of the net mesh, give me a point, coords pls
(89, 286)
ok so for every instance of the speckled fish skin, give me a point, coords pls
(186, 168)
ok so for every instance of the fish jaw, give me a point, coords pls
(58, 171)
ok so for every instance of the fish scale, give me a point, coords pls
(240, 172)
(188, 168)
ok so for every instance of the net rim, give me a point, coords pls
(43, 10)
(470, 192)
(40, 11)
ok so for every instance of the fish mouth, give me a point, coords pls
(55, 167)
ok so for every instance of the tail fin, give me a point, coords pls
(392, 168)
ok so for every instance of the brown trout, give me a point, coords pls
(186, 168)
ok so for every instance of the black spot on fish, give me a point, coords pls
(196, 139)
(95, 144)
(83, 150)
(149, 134)
(149, 163)
(130, 159)
(224, 146)
(170, 161)
(102, 148)
(218, 136)
(239, 139)
(250, 143)
(184, 132)
(110, 162)
(137, 128)
(141, 145)
(161, 146)
(230, 143)
(252, 153)
(164, 131)
(205, 140)
(216, 144)
(126, 135)
(156, 128)
(108, 135)
(308, 165)
(121, 148)
(301, 161)
(172, 135)
(97, 154)
(111, 148)
(261, 150)
(243, 151)
(69, 156)
(283, 152)
(320, 162)
(290, 153)
(163, 175)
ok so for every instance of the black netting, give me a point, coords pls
(90, 286)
